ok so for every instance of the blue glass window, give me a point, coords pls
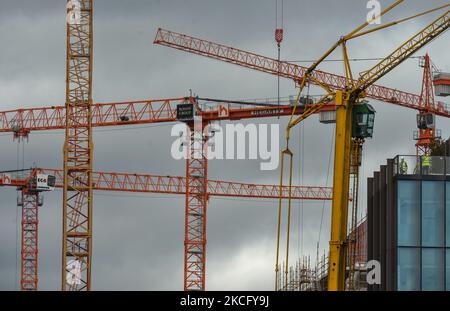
(424, 226)
(448, 214)
(408, 278)
(447, 277)
(433, 213)
(408, 213)
(432, 269)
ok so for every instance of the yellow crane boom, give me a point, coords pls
(345, 101)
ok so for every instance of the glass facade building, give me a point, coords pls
(421, 231)
(409, 226)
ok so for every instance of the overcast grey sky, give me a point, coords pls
(138, 240)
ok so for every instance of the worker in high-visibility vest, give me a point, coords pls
(426, 164)
(403, 167)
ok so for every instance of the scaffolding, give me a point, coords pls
(305, 276)
(301, 277)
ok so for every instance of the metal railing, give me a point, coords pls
(425, 165)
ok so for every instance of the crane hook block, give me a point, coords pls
(279, 35)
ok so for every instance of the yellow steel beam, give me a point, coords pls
(284, 153)
(422, 38)
(339, 216)
(345, 100)
(397, 22)
(371, 20)
(78, 150)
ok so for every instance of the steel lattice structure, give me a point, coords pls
(426, 136)
(196, 207)
(21, 122)
(29, 202)
(345, 90)
(26, 120)
(176, 185)
(285, 69)
(78, 150)
(140, 183)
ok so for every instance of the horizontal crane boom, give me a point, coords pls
(146, 183)
(131, 113)
(285, 69)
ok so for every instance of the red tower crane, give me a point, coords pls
(285, 69)
(426, 119)
(25, 120)
(21, 122)
(31, 199)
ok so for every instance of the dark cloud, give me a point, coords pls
(138, 240)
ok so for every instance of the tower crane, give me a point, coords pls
(31, 187)
(347, 94)
(78, 148)
(346, 103)
(78, 187)
(21, 122)
(77, 119)
(426, 135)
(33, 182)
(287, 70)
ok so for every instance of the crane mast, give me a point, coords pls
(426, 134)
(78, 150)
(196, 207)
(29, 201)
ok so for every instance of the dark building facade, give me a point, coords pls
(408, 223)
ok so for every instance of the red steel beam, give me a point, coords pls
(129, 113)
(146, 183)
(29, 255)
(195, 250)
(196, 209)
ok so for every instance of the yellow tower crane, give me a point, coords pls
(346, 100)
(78, 150)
